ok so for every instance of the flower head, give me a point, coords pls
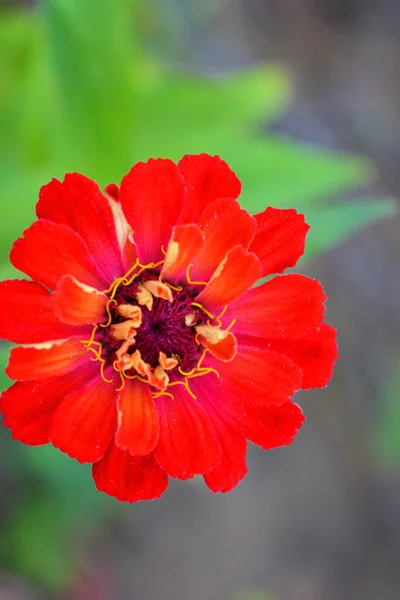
(146, 349)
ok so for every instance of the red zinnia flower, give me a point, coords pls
(154, 355)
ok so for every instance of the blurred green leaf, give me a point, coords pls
(332, 224)
(5, 381)
(91, 50)
(34, 542)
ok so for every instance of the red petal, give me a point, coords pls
(234, 276)
(27, 316)
(225, 225)
(288, 306)
(268, 425)
(280, 238)
(207, 178)
(232, 467)
(28, 406)
(272, 426)
(138, 426)
(112, 190)
(258, 376)
(315, 354)
(182, 248)
(187, 444)
(151, 197)
(129, 478)
(47, 359)
(85, 421)
(222, 344)
(77, 303)
(48, 251)
(79, 203)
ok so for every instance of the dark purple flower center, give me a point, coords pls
(164, 328)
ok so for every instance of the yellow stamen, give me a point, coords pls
(231, 325)
(176, 288)
(159, 394)
(210, 315)
(221, 314)
(204, 372)
(108, 313)
(190, 282)
(103, 362)
(121, 374)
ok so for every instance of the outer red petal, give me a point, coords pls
(138, 426)
(77, 303)
(26, 314)
(272, 426)
(48, 251)
(85, 421)
(268, 425)
(280, 238)
(151, 197)
(79, 203)
(28, 406)
(187, 445)
(234, 276)
(315, 354)
(258, 376)
(225, 225)
(232, 467)
(129, 478)
(288, 306)
(182, 248)
(48, 359)
(207, 178)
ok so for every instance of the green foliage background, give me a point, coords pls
(80, 91)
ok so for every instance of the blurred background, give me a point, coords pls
(302, 98)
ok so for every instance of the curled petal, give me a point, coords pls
(222, 344)
(48, 359)
(234, 276)
(224, 225)
(129, 478)
(77, 303)
(185, 242)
